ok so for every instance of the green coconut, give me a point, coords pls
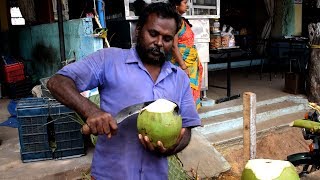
(160, 122)
(267, 169)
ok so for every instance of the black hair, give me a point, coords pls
(175, 2)
(138, 6)
(161, 9)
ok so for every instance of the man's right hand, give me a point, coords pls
(100, 123)
(65, 91)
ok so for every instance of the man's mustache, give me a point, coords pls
(159, 50)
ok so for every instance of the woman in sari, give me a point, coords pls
(184, 52)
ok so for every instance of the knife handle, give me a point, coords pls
(85, 129)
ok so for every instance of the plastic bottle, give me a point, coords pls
(216, 26)
(224, 37)
(232, 41)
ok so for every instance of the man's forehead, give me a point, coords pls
(155, 20)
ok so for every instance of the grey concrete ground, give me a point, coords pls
(12, 167)
(222, 123)
(199, 155)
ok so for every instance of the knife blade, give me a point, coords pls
(130, 111)
(125, 113)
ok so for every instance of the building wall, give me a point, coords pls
(4, 24)
(297, 19)
(40, 47)
(288, 18)
(261, 16)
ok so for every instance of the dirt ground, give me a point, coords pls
(275, 144)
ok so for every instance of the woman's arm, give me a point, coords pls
(177, 55)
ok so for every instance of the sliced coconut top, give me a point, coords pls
(161, 106)
(267, 168)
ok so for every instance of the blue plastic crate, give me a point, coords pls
(33, 107)
(68, 126)
(33, 116)
(70, 144)
(38, 121)
(36, 156)
(70, 147)
(32, 129)
(69, 135)
(34, 138)
(36, 147)
(69, 153)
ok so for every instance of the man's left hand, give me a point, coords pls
(145, 141)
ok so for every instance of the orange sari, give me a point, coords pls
(190, 56)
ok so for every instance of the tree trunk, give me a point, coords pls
(314, 75)
(313, 86)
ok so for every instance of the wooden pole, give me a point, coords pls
(61, 33)
(249, 126)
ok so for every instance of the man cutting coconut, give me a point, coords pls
(126, 77)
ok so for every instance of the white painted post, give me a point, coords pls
(249, 126)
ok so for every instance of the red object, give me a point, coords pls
(14, 72)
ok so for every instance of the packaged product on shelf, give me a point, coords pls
(224, 37)
(232, 42)
(224, 40)
(215, 35)
(215, 40)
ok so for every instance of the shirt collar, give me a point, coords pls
(134, 58)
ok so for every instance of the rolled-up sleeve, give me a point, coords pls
(87, 72)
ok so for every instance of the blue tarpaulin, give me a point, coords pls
(12, 121)
(12, 108)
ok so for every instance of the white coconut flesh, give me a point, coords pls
(161, 106)
(267, 168)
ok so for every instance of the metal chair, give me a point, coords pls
(259, 50)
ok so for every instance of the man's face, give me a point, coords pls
(155, 39)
